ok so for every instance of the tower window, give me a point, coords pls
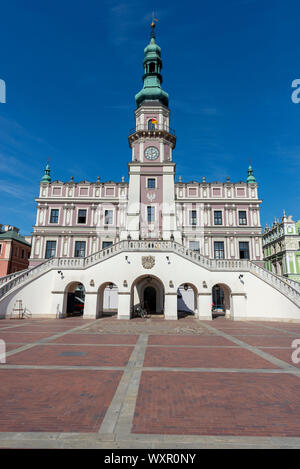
(151, 183)
(150, 214)
(151, 124)
(151, 67)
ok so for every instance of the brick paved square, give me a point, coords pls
(96, 339)
(255, 331)
(283, 354)
(267, 341)
(52, 355)
(55, 401)
(218, 404)
(189, 340)
(203, 358)
(51, 329)
(23, 338)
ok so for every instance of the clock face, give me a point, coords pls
(151, 153)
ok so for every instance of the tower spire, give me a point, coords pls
(250, 179)
(46, 177)
(152, 90)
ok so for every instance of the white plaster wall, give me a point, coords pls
(253, 299)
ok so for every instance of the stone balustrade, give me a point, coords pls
(242, 265)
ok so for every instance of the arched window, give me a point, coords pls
(151, 125)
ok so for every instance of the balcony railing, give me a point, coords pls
(156, 128)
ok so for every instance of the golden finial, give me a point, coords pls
(153, 23)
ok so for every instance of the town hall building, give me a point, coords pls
(187, 246)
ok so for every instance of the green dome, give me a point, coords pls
(46, 177)
(152, 90)
(250, 179)
(152, 48)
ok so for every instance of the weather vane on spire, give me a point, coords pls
(153, 24)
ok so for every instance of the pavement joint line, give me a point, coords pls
(61, 367)
(81, 440)
(148, 368)
(46, 339)
(257, 351)
(12, 327)
(282, 330)
(130, 345)
(223, 370)
(120, 413)
(62, 344)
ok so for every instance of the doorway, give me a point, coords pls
(150, 299)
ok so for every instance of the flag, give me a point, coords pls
(154, 121)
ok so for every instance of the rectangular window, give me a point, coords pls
(244, 250)
(193, 217)
(219, 250)
(81, 216)
(217, 217)
(23, 254)
(242, 217)
(108, 217)
(0, 248)
(150, 214)
(151, 183)
(194, 246)
(54, 215)
(79, 249)
(106, 244)
(50, 249)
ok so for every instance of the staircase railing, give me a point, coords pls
(241, 265)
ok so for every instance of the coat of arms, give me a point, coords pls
(148, 262)
(151, 196)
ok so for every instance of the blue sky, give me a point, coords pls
(72, 70)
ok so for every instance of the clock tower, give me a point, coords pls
(151, 198)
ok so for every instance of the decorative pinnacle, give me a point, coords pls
(46, 177)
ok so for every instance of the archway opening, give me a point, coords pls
(150, 300)
(220, 300)
(187, 300)
(107, 300)
(75, 299)
(149, 293)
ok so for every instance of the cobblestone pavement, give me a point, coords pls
(149, 383)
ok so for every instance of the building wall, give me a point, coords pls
(14, 256)
(251, 298)
(281, 248)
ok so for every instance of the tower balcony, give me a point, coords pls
(158, 131)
